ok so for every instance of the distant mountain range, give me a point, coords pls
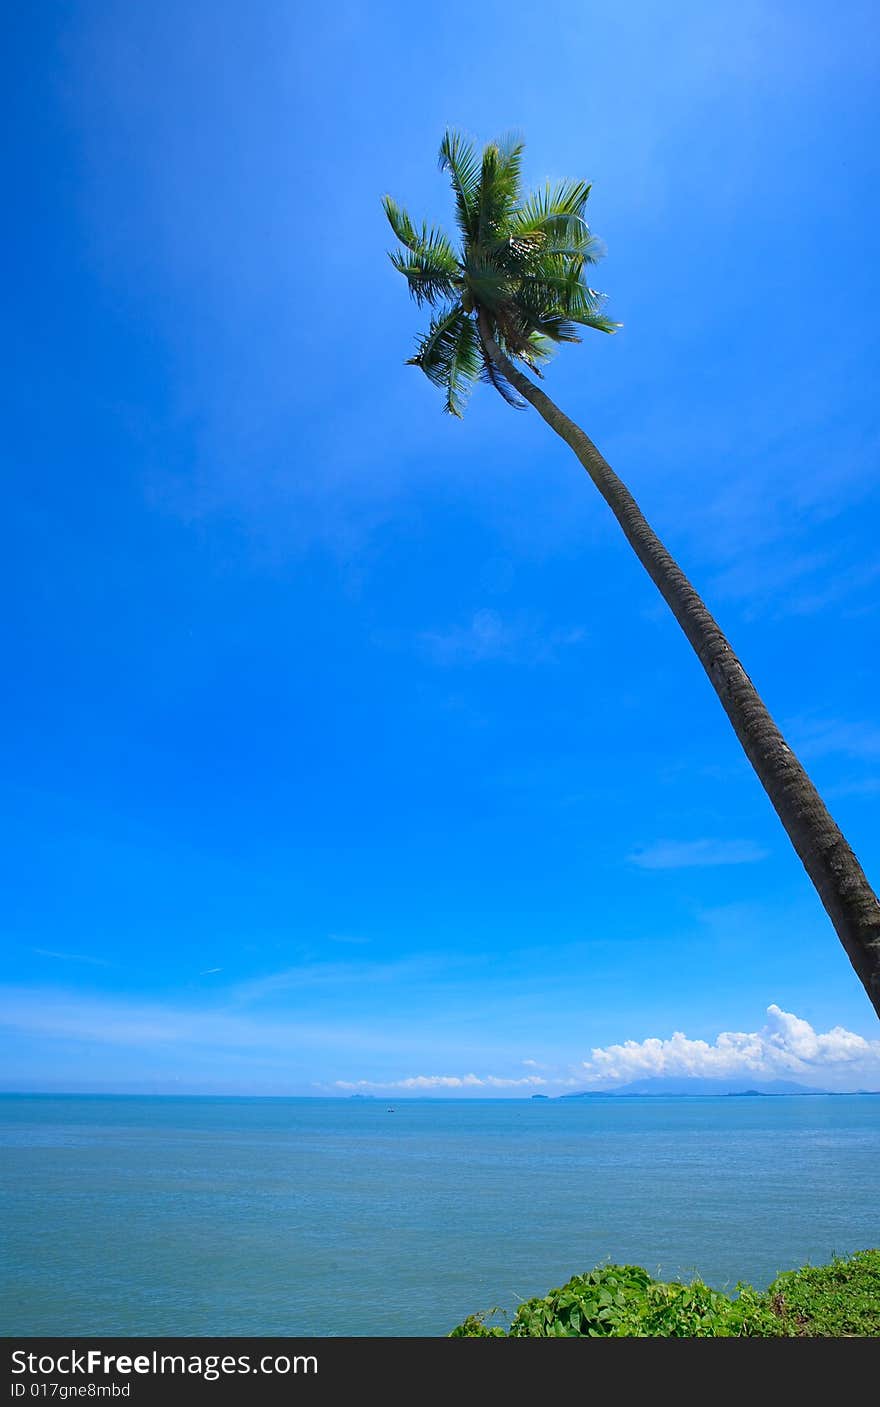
(685, 1086)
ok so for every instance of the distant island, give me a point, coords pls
(689, 1088)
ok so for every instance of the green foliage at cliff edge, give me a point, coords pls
(840, 1300)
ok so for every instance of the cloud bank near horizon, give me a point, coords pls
(786, 1047)
(441, 1082)
(245, 1049)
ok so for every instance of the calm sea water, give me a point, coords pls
(324, 1217)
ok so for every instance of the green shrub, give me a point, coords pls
(474, 1328)
(623, 1301)
(840, 1300)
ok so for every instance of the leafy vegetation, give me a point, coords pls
(623, 1301)
(840, 1300)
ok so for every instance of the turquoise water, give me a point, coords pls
(323, 1217)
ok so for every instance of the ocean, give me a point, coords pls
(177, 1216)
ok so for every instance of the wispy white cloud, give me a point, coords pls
(828, 737)
(306, 976)
(856, 786)
(786, 1046)
(423, 1082)
(757, 580)
(768, 580)
(71, 957)
(157, 1025)
(489, 636)
(842, 585)
(689, 854)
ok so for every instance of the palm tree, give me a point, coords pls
(514, 289)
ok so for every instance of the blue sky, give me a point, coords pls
(347, 743)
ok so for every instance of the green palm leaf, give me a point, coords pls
(488, 283)
(430, 263)
(499, 188)
(552, 211)
(493, 377)
(459, 158)
(429, 278)
(449, 355)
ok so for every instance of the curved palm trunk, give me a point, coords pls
(848, 898)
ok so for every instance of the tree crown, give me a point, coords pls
(521, 261)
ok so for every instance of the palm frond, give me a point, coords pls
(464, 367)
(400, 223)
(427, 282)
(599, 322)
(582, 304)
(492, 376)
(489, 284)
(557, 328)
(460, 159)
(530, 250)
(561, 284)
(564, 296)
(449, 355)
(428, 239)
(541, 349)
(553, 210)
(429, 345)
(429, 277)
(430, 264)
(533, 350)
(499, 187)
(574, 243)
(508, 329)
